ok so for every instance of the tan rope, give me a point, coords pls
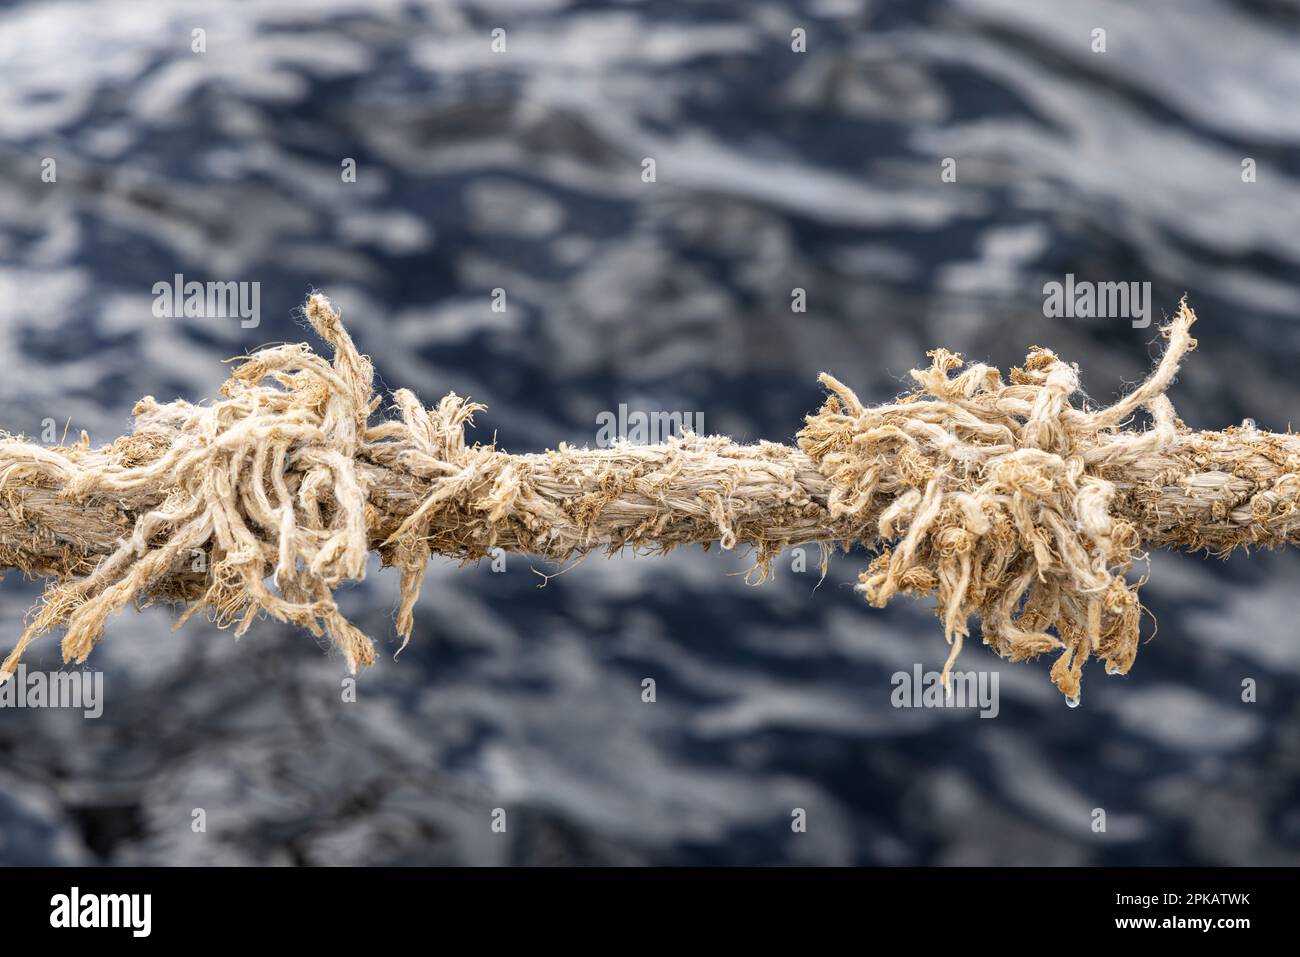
(1004, 499)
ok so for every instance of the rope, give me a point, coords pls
(1005, 500)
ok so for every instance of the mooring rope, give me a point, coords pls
(1004, 499)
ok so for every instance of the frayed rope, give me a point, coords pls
(992, 495)
(1004, 499)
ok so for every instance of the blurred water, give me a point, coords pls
(522, 170)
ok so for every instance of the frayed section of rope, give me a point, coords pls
(992, 496)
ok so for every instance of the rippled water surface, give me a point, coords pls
(522, 171)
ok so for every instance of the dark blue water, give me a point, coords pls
(521, 171)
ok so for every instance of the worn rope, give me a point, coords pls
(1004, 499)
